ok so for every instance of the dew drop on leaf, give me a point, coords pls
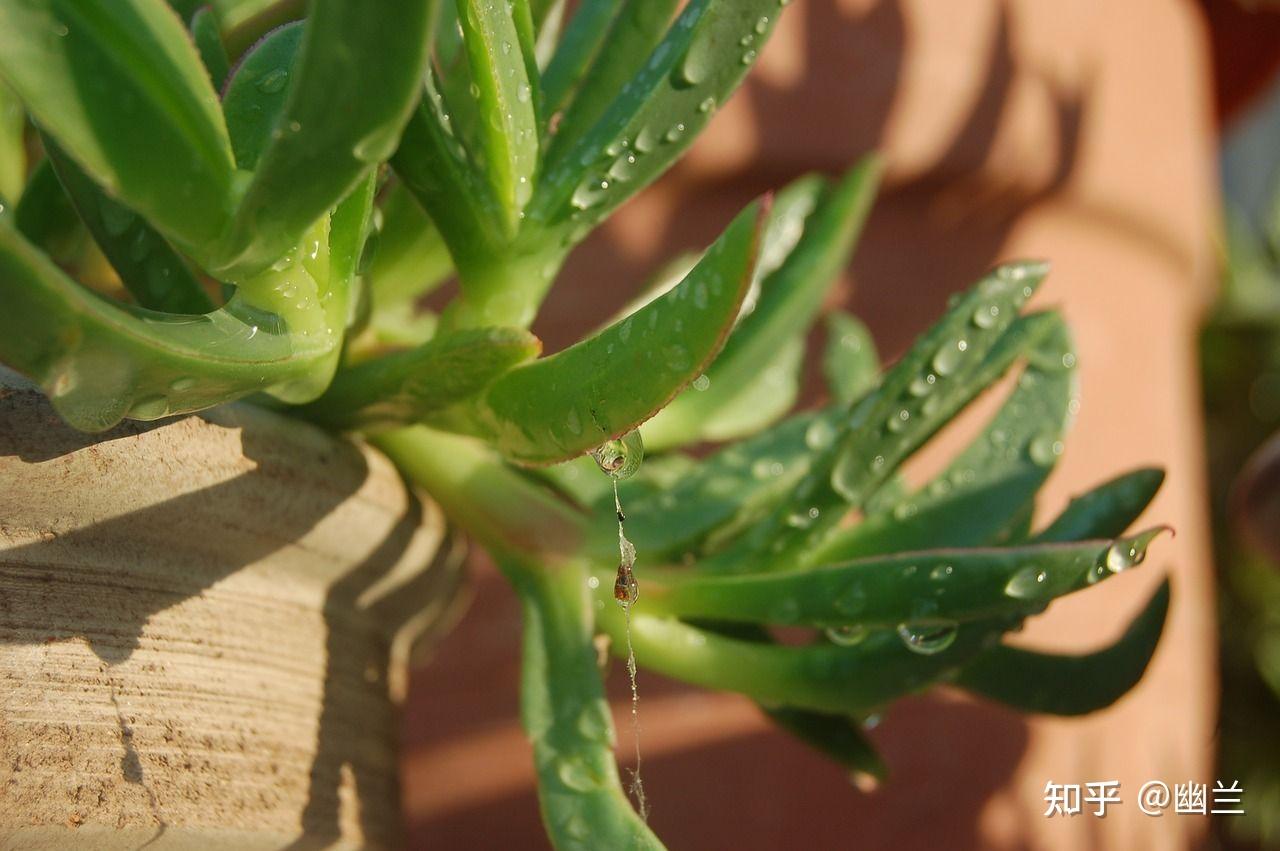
(1027, 584)
(847, 636)
(928, 638)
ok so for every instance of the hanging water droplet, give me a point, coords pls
(847, 636)
(707, 105)
(928, 638)
(1027, 584)
(1123, 555)
(748, 57)
(762, 25)
(620, 458)
(149, 408)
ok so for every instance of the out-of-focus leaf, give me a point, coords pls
(149, 268)
(655, 118)
(46, 217)
(581, 40)
(565, 715)
(740, 396)
(208, 40)
(606, 385)
(1107, 510)
(1070, 685)
(933, 587)
(992, 484)
(350, 92)
(404, 387)
(13, 150)
(411, 259)
(839, 737)
(508, 127)
(850, 361)
(881, 430)
(122, 89)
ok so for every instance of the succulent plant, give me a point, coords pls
(220, 176)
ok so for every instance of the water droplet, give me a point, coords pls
(577, 775)
(847, 636)
(676, 131)
(947, 358)
(593, 582)
(573, 422)
(1068, 361)
(922, 385)
(941, 572)
(820, 434)
(593, 723)
(1044, 449)
(1027, 584)
(620, 458)
(523, 93)
(707, 105)
(702, 382)
(149, 408)
(273, 81)
(1123, 555)
(748, 57)
(986, 316)
(762, 25)
(899, 421)
(115, 218)
(929, 638)
(181, 385)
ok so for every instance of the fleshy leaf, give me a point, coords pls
(148, 266)
(13, 151)
(702, 59)
(993, 482)
(738, 396)
(404, 387)
(99, 361)
(942, 586)
(508, 127)
(120, 86)
(208, 41)
(839, 737)
(1107, 510)
(350, 93)
(850, 362)
(564, 713)
(1070, 685)
(579, 43)
(411, 259)
(606, 385)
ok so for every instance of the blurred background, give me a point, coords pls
(1136, 145)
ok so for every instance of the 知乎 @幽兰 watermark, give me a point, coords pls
(1155, 798)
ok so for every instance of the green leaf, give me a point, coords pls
(208, 41)
(992, 483)
(606, 385)
(149, 268)
(120, 86)
(936, 586)
(348, 231)
(821, 677)
(636, 29)
(850, 361)
(258, 92)
(351, 65)
(656, 116)
(411, 259)
(1107, 510)
(100, 362)
(839, 737)
(566, 717)
(890, 423)
(579, 43)
(13, 150)
(508, 126)
(245, 22)
(46, 217)
(741, 396)
(405, 387)
(1070, 685)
